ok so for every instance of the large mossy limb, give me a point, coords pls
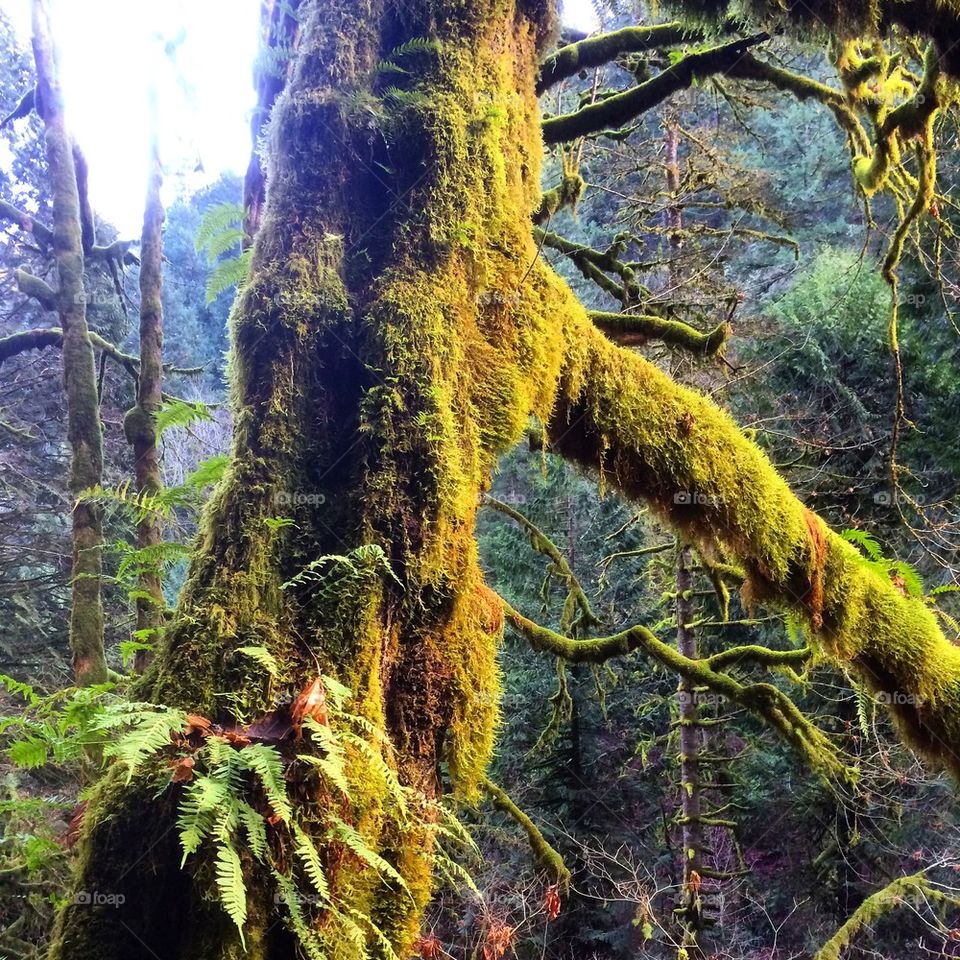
(664, 443)
(909, 890)
(624, 107)
(598, 50)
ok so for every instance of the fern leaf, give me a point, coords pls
(230, 886)
(359, 848)
(310, 859)
(266, 763)
(228, 273)
(263, 657)
(28, 754)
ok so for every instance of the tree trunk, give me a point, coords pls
(396, 332)
(390, 343)
(79, 374)
(139, 425)
(691, 904)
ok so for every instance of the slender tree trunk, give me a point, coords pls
(691, 905)
(139, 424)
(83, 405)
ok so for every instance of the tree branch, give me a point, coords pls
(544, 854)
(762, 699)
(597, 50)
(16, 343)
(28, 224)
(543, 544)
(671, 446)
(619, 109)
(634, 328)
(35, 288)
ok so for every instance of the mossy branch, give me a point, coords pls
(629, 328)
(673, 447)
(595, 51)
(761, 656)
(623, 107)
(763, 700)
(595, 264)
(544, 854)
(909, 889)
(32, 286)
(42, 233)
(16, 343)
(543, 544)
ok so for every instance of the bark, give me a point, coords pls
(388, 347)
(139, 423)
(83, 407)
(671, 446)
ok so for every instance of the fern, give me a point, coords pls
(180, 413)
(310, 860)
(217, 219)
(359, 848)
(263, 657)
(149, 734)
(265, 762)
(28, 754)
(230, 886)
(228, 273)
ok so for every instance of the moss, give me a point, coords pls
(544, 854)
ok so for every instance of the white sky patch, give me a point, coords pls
(580, 15)
(113, 54)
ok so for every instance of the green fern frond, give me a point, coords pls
(310, 859)
(217, 219)
(231, 887)
(180, 413)
(865, 541)
(267, 764)
(263, 657)
(21, 689)
(228, 273)
(359, 848)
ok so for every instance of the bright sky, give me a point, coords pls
(112, 53)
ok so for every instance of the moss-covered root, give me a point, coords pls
(544, 854)
(656, 440)
(910, 889)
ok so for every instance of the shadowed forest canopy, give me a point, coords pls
(520, 516)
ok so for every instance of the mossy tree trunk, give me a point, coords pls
(139, 423)
(79, 374)
(390, 343)
(397, 331)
